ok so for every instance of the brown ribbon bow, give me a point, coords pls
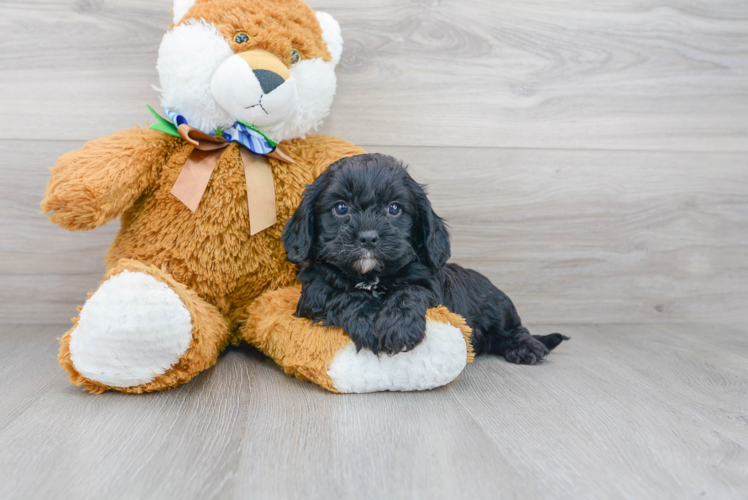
(195, 176)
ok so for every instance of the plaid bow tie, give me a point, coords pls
(245, 134)
(195, 176)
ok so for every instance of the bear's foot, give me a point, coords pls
(133, 329)
(436, 361)
(328, 357)
(141, 331)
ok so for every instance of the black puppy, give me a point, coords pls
(373, 255)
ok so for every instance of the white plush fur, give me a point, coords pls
(180, 9)
(187, 58)
(316, 85)
(237, 90)
(332, 35)
(193, 63)
(435, 362)
(131, 330)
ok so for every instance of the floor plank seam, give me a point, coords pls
(11, 140)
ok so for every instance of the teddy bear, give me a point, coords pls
(203, 195)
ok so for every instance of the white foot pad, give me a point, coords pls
(131, 330)
(437, 361)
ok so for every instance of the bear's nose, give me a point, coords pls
(267, 68)
(269, 81)
(368, 239)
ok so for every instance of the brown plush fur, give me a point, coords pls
(276, 26)
(210, 252)
(305, 350)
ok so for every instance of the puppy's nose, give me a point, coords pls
(368, 239)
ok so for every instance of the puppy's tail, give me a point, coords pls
(551, 341)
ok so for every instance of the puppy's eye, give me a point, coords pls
(241, 37)
(295, 57)
(340, 209)
(394, 210)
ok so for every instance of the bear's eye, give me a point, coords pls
(340, 209)
(241, 37)
(295, 57)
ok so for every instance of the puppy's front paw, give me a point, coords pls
(527, 351)
(399, 331)
(361, 332)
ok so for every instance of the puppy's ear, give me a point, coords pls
(298, 235)
(434, 237)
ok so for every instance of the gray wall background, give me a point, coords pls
(592, 158)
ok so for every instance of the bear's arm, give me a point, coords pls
(327, 150)
(97, 183)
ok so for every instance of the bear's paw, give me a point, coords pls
(133, 329)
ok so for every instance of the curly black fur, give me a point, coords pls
(374, 270)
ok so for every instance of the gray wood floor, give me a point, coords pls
(592, 159)
(620, 411)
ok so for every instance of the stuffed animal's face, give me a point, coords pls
(269, 63)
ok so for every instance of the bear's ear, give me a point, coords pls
(180, 9)
(331, 35)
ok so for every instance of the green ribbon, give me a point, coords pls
(164, 125)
